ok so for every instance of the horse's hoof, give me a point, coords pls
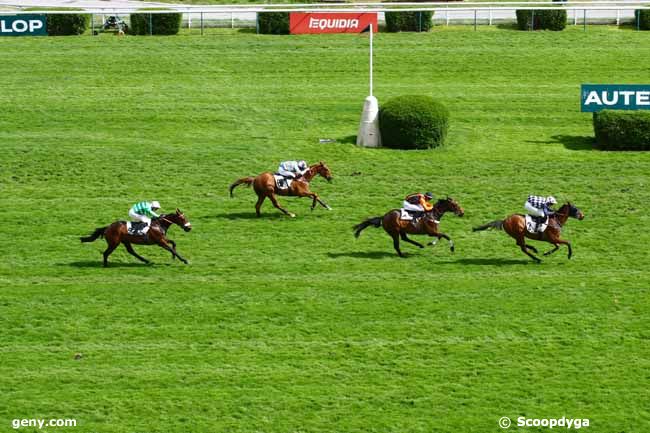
(328, 208)
(452, 249)
(292, 215)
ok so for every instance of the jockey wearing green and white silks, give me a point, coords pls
(144, 211)
(292, 169)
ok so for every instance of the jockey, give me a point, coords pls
(292, 169)
(539, 208)
(417, 204)
(144, 211)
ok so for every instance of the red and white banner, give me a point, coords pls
(350, 22)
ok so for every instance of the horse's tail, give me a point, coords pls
(98, 233)
(376, 221)
(497, 224)
(247, 180)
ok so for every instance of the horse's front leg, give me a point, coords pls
(452, 247)
(173, 247)
(164, 243)
(551, 251)
(277, 205)
(315, 198)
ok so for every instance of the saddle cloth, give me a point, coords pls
(530, 225)
(281, 182)
(136, 228)
(405, 216)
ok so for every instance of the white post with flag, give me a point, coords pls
(369, 135)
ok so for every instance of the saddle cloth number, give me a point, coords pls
(135, 228)
(282, 182)
(530, 225)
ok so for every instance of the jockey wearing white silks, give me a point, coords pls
(292, 169)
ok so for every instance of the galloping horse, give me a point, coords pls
(117, 233)
(515, 226)
(426, 225)
(264, 186)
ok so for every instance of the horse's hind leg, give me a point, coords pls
(410, 241)
(109, 250)
(258, 205)
(395, 237)
(131, 251)
(522, 244)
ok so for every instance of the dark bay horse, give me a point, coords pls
(515, 226)
(426, 225)
(264, 186)
(116, 234)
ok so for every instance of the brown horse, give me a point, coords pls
(264, 186)
(426, 225)
(116, 233)
(515, 226)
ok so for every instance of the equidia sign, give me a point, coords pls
(22, 25)
(300, 22)
(597, 97)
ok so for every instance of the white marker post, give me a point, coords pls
(369, 135)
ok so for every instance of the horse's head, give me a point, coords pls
(179, 219)
(573, 211)
(322, 169)
(448, 205)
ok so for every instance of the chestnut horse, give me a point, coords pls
(116, 233)
(264, 186)
(515, 226)
(426, 225)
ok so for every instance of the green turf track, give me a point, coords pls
(291, 325)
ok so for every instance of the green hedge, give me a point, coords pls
(643, 17)
(545, 19)
(143, 23)
(273, 23)
(409, 21)
(413, 122)
(622, 130)
(64, 24)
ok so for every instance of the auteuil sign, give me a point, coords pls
(23, 25)
(597, 97)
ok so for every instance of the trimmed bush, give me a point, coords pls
(143, 23)
(273, 23)
(409, 21)
(622, 130)
(413, 122)
(545, 19)
(643, 17)
(64, 24)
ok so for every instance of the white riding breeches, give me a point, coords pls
(412, 207)
(138, 217)
(533, 210)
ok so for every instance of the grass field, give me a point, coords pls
(291, 325)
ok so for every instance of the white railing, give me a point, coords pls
(445, 12)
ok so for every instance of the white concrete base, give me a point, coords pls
(369, 135)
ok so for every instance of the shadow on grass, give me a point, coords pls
(243, 215)
(350, 139)
(364, 255)
(253, 31)
(100, 264)
(508, 26)
(575, 142)
(490, 262)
